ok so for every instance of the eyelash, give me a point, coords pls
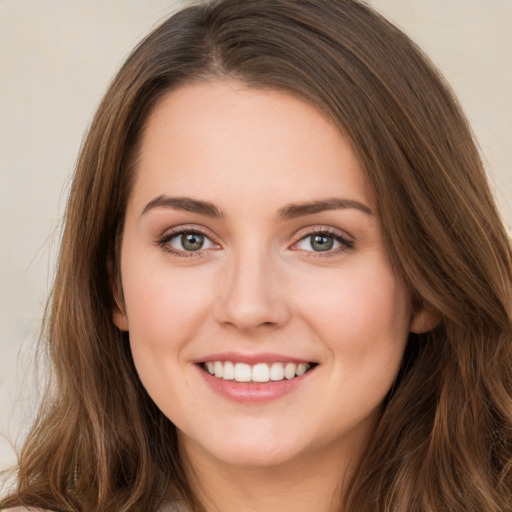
(345, 243)
(164, 242)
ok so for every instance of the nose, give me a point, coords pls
(251, 296)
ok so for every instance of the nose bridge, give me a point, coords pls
(251, 297)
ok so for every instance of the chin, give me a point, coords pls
(246, 450)
(257, 456)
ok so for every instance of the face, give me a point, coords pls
(264, 318)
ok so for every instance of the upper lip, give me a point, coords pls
(251, 359)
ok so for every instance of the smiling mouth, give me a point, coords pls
(256, 373)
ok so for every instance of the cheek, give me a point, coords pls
(165, 307)
(362, 317)
(361, 312)
(163, 303)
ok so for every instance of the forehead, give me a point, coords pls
(225, 139)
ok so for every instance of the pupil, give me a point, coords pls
(322, 243)
(192, 241)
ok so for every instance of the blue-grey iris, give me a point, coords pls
(192, 241)
(322, 242)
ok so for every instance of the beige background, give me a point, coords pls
(56, 59)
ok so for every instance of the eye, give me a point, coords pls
(323, 242)
(186, 241)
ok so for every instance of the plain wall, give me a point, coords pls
(56, 59)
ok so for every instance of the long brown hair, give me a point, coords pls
(444, 441)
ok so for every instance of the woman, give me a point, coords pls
(283, 282)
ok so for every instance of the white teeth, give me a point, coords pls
(276, 371)
(218, 367)
(289, 370)
(301, 369)
(260, 372)
(242, 372)
(228, 372)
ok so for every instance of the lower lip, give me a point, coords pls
(250, 392)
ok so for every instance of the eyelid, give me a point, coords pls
(347, 241)
(170, 233)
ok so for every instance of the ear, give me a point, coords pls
(424, 320)
(119, 316)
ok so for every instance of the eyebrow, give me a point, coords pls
(186, 204)
(288, 212)
(295, 210)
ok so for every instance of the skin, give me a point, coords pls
(258, 286)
